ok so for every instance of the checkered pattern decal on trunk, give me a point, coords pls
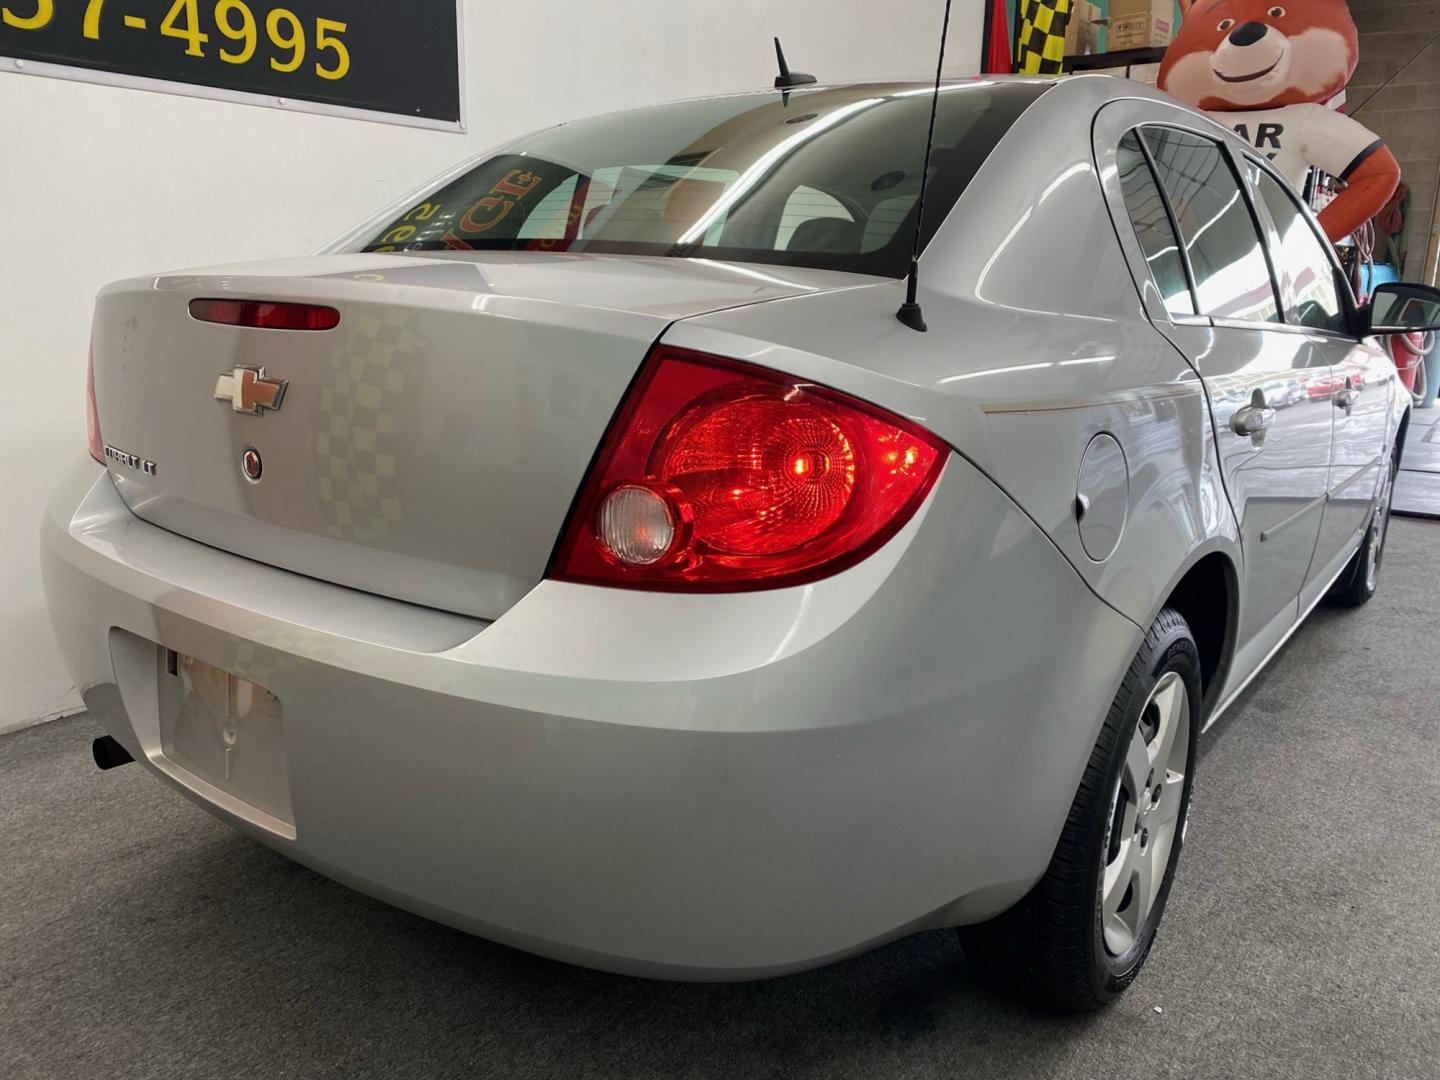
(355, 443)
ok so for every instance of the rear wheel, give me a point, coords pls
(1357, 584)
(1080, 937)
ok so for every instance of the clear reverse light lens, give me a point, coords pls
(636, 525)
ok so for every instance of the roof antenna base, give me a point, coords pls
(788, 79)
(911, 315)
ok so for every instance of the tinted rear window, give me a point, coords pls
(1152, 226)
(1232, 278)
(828, 180)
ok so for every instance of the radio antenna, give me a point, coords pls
(909, 312)
(788, 79)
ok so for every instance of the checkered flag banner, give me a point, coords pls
(1040, 44)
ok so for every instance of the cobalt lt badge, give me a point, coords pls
(250, 464)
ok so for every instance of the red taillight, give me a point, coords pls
(266, 314)
(717, 475)
(92, 414)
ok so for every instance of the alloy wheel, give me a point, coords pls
(1145, 814)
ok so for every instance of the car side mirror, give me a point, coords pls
(1399, 307)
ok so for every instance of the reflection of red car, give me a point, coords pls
(1324, 384)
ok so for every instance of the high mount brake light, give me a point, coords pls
(265, 314)
(720, 476)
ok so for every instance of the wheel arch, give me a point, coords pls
(1206, 591)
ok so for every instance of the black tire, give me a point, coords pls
(1360, 579)
(1051, 946)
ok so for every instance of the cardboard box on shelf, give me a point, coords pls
(1082, 33)
(1139, 24)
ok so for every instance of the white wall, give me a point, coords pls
(99, 183)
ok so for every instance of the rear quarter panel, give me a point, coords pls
(1038, 340)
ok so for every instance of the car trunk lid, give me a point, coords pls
(428, 447)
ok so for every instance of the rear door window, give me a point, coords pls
(1146, 207)
(1222, 242)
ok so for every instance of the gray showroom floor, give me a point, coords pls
(140, 938)
(1417, 488)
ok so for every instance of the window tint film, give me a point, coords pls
(1300, 259)
(815, 216)
(1232, 278)
(825, 178)
(1152, 226)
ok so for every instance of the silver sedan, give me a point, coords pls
(582, 553)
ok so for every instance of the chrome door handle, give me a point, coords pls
(1346, 399)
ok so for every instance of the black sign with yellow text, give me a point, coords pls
(379, 56)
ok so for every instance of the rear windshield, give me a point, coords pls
(825, 178)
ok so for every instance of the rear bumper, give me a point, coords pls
(701, 787)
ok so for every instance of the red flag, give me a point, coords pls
(997, 48)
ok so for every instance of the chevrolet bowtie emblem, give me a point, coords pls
(249, 391)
